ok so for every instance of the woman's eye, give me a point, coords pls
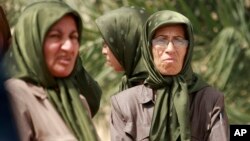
(74, 36)
(54, 35)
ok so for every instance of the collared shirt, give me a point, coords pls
(132, 111)
(35, 116)
(131, 114)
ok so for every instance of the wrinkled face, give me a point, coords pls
(61, 47)
(169, 48)
(110, 58)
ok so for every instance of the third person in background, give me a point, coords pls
(121, 31)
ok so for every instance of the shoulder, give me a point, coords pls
(23, 91)
(12, 81)
(131, 94)
(14, 85)
(210, 92)
(209, 96)
(130, 98)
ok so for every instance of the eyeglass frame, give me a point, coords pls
(163, 42)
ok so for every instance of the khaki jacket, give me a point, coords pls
(132, 112)
(35, 116)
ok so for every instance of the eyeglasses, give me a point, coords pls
(162, 43)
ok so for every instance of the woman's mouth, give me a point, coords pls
(64, 60)
(168, 60)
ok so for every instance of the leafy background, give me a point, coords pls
(221, 54)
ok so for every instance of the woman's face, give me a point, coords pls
(61, 47)
(110, 58)
(169, 48)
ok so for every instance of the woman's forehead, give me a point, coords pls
(170, 30)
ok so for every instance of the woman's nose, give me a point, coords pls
(67, 45)
(169, 47)
(104, 50)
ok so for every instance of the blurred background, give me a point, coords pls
(221, 55)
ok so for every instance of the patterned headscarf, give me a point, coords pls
(121, 29)
(25, 60)
(171, 113)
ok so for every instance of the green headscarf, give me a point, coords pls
(121, 29)
(171, 112)
(89, 88)
(25, 60)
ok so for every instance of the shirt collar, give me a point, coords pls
(38, 91)
(146, 95)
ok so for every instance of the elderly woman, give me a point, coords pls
(121, 30)
(41, 64)
(173, 103)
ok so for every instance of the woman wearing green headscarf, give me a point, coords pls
(121, 31)
(42, 64)
(173, 104)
